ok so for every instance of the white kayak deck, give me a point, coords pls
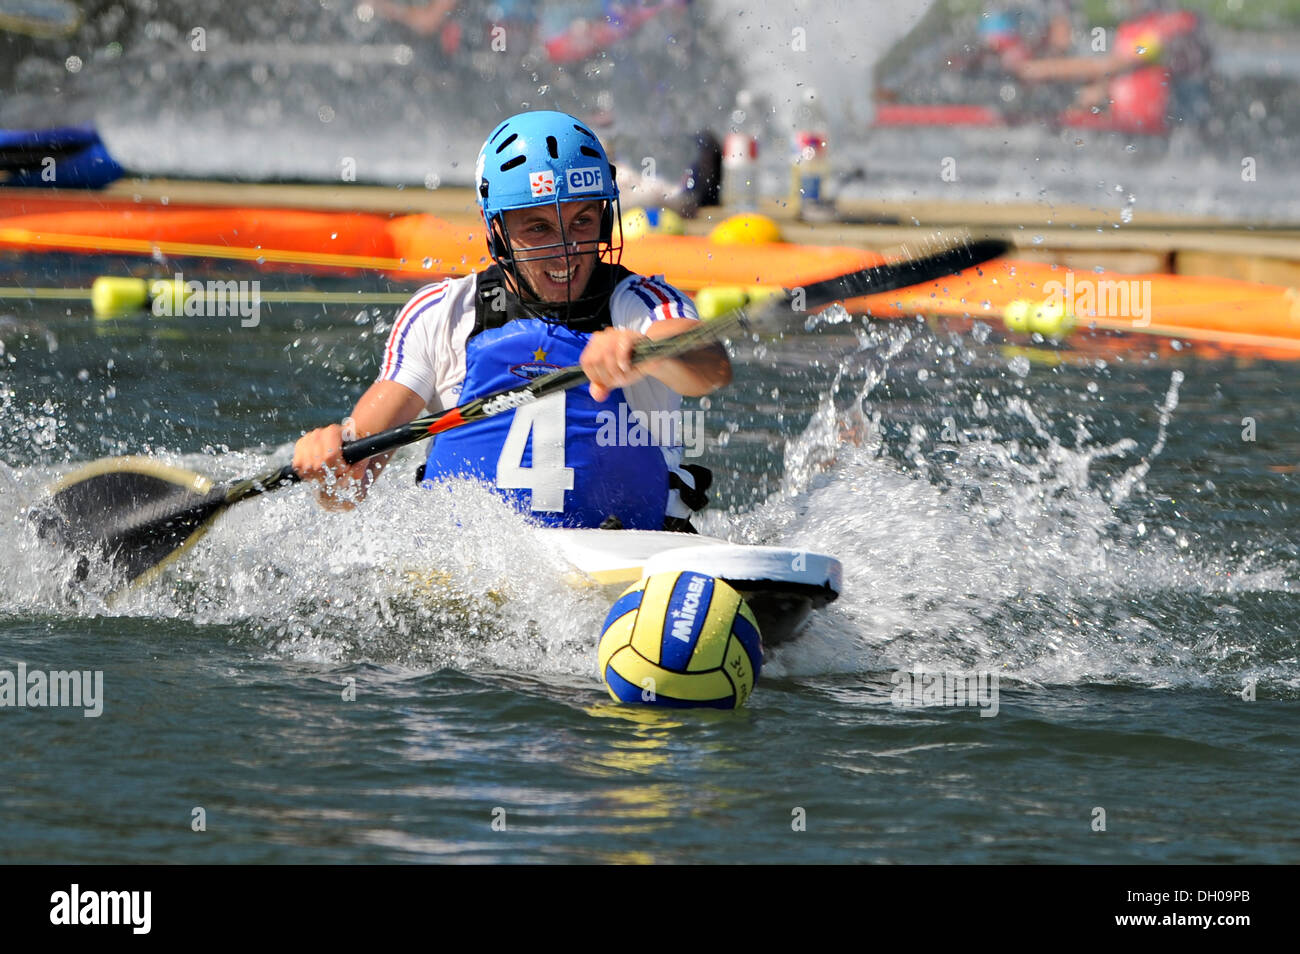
(781, 584)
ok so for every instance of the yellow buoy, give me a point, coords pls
(747, 228)
(110, 296)
(670, 223)
(1052, 320)
(636, 223)
(1016, 315)
(718, 300)
(761, 293)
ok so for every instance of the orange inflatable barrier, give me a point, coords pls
(326, 240)
(422, 247)
(406, 246)
(1224, 309)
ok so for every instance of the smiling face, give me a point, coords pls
(540, 246)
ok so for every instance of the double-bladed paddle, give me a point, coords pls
(139, 513)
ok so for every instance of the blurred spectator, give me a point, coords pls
(1151, 50)
(514, 17)
(700, 185)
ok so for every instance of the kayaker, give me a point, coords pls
(556, 295)
(1158, 55)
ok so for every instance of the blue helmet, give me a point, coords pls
(542, 158)
(538, 158)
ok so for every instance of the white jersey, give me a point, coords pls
(426, 348)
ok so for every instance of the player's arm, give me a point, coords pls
(607, 360)
(320, 452)
(424, 19)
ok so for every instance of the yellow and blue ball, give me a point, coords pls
(681, 639)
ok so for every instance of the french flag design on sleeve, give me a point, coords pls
(662, 299)
(423, 300)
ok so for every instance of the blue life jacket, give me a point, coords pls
(552, 465)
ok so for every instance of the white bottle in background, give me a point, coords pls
(809, 162)
(740, 156)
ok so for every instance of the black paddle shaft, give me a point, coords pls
(868, 281)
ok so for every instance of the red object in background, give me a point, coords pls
(738, 147)
(1139, 103)
(585, 38)
(936, 114)
(450, 37)
(1164, 25)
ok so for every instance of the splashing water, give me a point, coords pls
(984, 551)
(993, 545)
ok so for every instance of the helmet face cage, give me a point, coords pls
(539, 160)
(608, 248)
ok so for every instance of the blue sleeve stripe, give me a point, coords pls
(405, 322)
(646, 299)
